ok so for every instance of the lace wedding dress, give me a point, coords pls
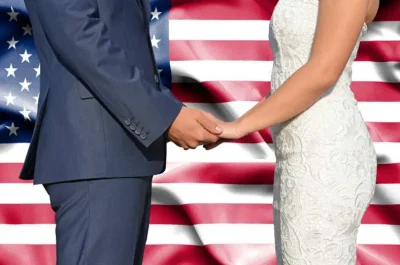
(326, 162)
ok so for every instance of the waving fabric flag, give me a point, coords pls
(208, 208)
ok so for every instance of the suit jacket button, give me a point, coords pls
(138, 131)
(127, 122)
(133, 127)
(143, 136)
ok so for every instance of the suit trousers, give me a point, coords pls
(101, 221)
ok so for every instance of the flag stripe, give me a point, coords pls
(389, 10)
(207, 234)
(254, 254)
(226, 91)
(222, 10)
(188, 214)
(388, 153)
(211, 70)
(189, 193)
(371, 111)
(184, 29)
(186, 50)
(218, 173)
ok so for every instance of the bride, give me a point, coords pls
(325, 160)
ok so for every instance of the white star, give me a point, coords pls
(155, 14)
(154, 41)
(27, 29)
(25, 113)
(37, 70)
(25, 56)
(25, 85)
(37, 99)
(159, 71)
(13, 15)
(10, 98)
(11, 70)
(13, 129)
(12, 43)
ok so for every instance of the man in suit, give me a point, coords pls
(102, 126)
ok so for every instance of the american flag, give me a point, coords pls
(209, 207)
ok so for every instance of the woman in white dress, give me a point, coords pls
(325, 160)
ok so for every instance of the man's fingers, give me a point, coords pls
(213, 145)
(209, 138)
(209, 125)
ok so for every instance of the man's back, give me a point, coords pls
(99, 116)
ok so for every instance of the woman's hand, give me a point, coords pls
(230, 131)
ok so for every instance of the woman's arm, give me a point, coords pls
(338, 28)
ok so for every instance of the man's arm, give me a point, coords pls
(81, 40)
(169, 94)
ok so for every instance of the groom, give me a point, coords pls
(102, 126)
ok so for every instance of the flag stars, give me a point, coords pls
(10, 99)
(25, 56)
(11, 71)
(13, 15)
(155, 14)
(27, 30)
(25, 113)
(37, 70)
(12, 43)
(25, 85)
(13, 129)
(155, 41)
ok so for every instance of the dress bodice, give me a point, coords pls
(291, 35)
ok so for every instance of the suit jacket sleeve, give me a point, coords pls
(81, 41)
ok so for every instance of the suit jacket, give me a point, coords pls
(102, 111)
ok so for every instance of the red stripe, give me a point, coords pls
(191, 214)
(248, 173)
(9, 172)
(228, 91)
(376, 91)
(389, 10)
(197, 255)
(379, 51)
(185, 50)
(222, 10)
(226, 173)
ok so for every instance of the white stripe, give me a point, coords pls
(383, 31)
(218, 29)
(224, 70)
(199, 235)
(387, 153)
(371, 111)
(257, 30)
(189, 193)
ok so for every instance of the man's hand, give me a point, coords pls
(192, 128)
(231, 131)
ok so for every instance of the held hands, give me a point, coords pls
(230, 131)
(192, 128)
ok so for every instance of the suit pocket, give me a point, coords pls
(84, 93)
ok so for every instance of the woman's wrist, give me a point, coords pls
(241, 127)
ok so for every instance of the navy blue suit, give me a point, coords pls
(102, 116)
